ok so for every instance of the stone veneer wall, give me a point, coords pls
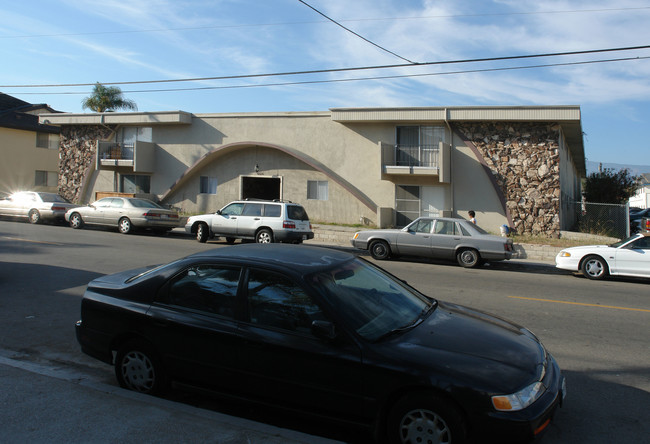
(524, 159)
(76, 156)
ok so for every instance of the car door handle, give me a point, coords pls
(257, 218)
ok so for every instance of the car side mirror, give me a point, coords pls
(323, 330)
(219, 212)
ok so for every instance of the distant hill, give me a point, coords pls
(635, 170)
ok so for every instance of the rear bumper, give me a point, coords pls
(292, 236)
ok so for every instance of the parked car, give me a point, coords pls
(629, 257)
(322, 331)
(636, 220)
(436, 237)
(125, 213)
(35, 206)
(260, 220)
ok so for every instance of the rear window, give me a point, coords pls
(296, 212)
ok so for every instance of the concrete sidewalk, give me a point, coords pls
(45, 404)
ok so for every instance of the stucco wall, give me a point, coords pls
(21, 159)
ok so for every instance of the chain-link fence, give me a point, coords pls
(603, 219)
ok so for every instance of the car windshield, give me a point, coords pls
(144, 203)
(52, 197)
(373, 303)
(623, 242)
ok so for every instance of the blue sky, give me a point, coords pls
(82, 41)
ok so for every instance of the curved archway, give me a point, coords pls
(222, 150)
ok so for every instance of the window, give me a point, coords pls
(418, 145)
(207, 288)
(445, 227)
(46, 140)
(134, 183)
(272, 210)
(422, 226)
(208, 185)
(252, 210)
(317, 190)
(46, 178)
(275, 301)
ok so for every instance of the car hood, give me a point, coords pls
(466, 343)
(588, 249)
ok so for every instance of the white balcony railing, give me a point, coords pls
(417, 156)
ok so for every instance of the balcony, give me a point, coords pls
(427, 160)
(136, 156)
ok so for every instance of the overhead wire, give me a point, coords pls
(334, 70)
(397, 76)
(356, 34)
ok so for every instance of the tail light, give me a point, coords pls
(151, 214)
(646, 226)
(56, 208)
(507, 247)
(288, 224)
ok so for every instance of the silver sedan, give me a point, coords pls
(441, 238)
(125, 213)
(35, 206)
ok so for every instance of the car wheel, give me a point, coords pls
(264, 237)
(138, 368)
(34, 216)
(76, 221)
(594, 267)
(379, 250)
(424, 418)
(124, 225)
(468, 258)
(202, 233)
(231, 240)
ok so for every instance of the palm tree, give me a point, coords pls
(106, 99)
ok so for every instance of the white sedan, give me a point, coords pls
(629, 257)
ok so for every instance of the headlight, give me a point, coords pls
(519, 400)
(564, 254)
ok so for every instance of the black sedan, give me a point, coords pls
(326, 332)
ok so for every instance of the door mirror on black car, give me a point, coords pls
(323, 330)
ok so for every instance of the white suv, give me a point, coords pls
(260, 220)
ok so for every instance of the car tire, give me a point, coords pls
(230, 240)
(124, 225)
(76, 221)
(422, 417)
(202, 232)
(468, 258)
(594, 267)
(379, 250)
(264, 236)
(138, 368)
(34, 216)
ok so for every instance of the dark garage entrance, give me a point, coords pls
(267, 188)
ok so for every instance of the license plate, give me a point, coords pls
(304, 237)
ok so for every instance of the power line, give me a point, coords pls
(333, 70)
(354, 33)
(310, 82)
(255, 25)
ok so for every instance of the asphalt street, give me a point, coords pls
(51, 392)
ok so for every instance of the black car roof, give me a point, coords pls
(301, 258)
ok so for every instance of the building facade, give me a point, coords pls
(514, 166)
(29, 150)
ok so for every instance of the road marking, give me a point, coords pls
(29, 240)
(581, 303)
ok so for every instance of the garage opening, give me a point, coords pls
(268, 188)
